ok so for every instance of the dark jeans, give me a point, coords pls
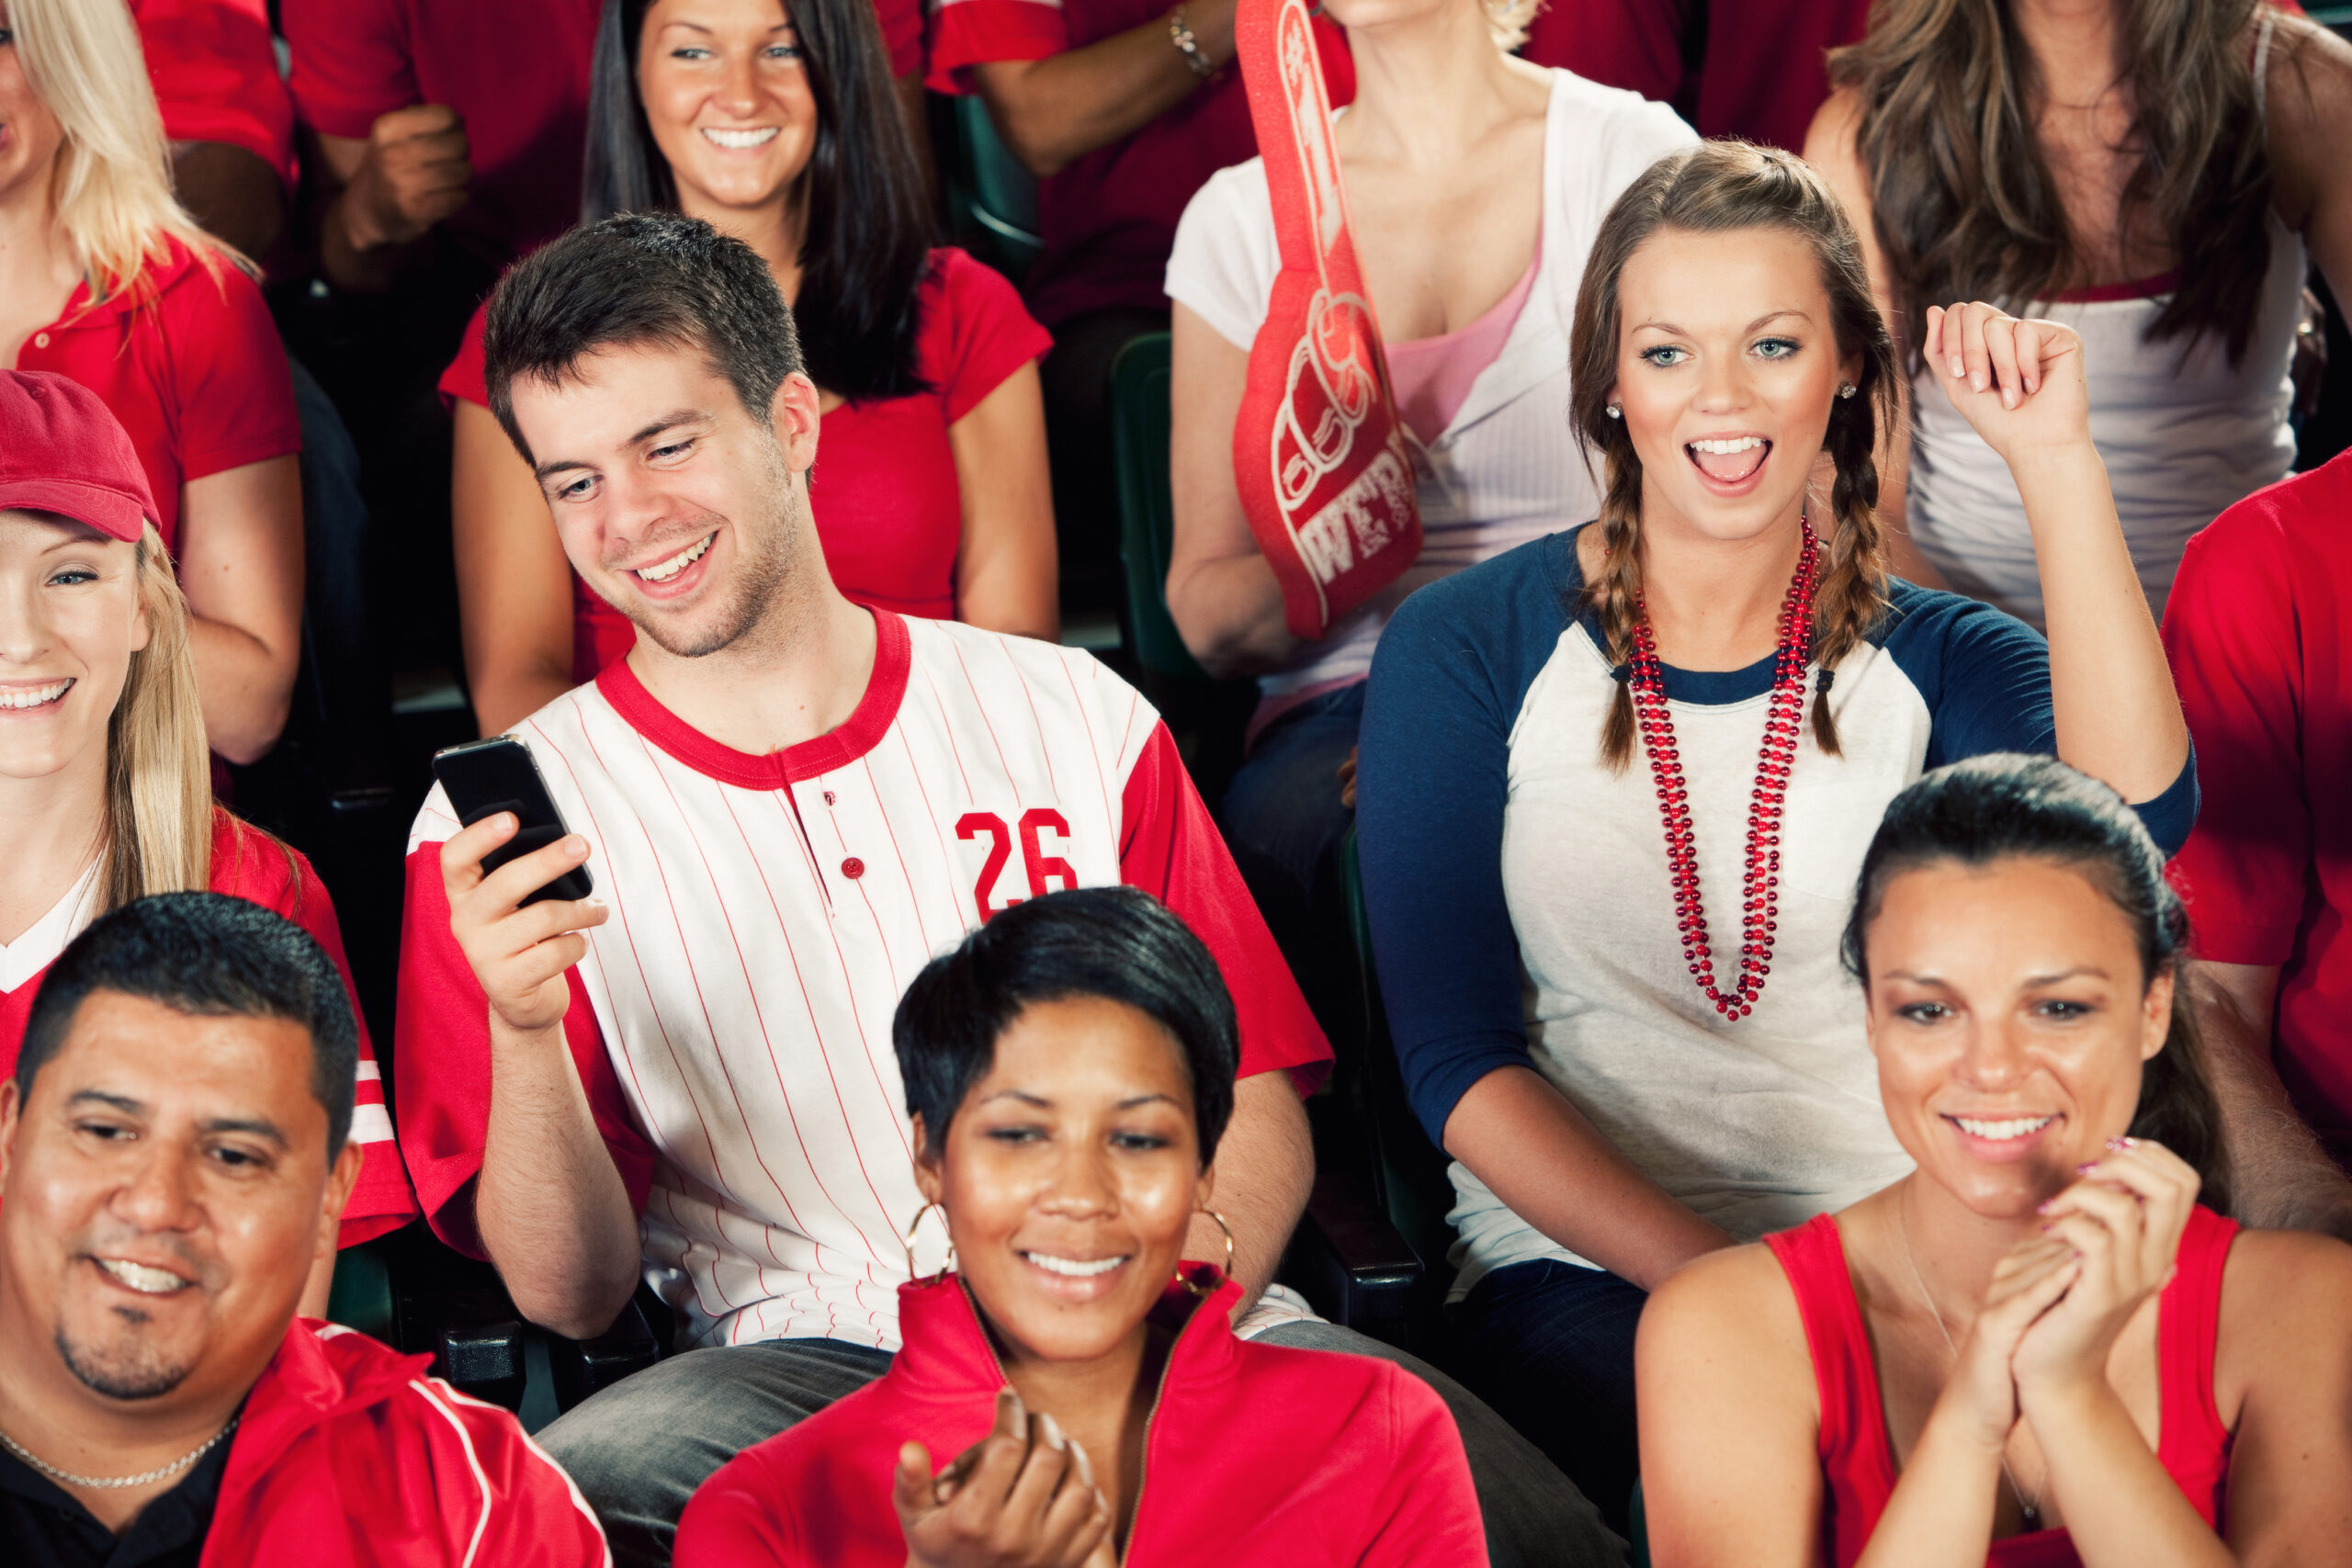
(1550, 1346)
(1286, 828)
(350, 679)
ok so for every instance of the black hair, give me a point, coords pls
(647, 277)
(2006, 804)
(865, 235)
(214, 956)
(1115, 943)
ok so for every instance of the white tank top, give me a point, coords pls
(2184, 432)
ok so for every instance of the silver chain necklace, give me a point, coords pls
(2030, 1507)
(115, 1483)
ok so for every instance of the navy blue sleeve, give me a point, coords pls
(1985, 677)
(1452, 669)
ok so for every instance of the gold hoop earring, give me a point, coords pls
(1228, 1229)
(907, 1241)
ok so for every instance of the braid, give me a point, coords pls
(1616, 587)
(1852, 590)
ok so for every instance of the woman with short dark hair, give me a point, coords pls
(776, 124)
(2039, 1347)
(1070, 1392)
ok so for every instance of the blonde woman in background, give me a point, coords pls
(1474, 184)
(105, 791)
(104, 279)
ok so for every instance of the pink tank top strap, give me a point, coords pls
(1857, 1465)
(2191, 1441)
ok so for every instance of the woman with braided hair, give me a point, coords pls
(1615, 784)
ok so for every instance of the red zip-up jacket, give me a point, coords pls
(348, 1456)
(1257, 1456)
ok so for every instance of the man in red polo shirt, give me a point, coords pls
(2259, 632)
(227, 111)
(172, 1148)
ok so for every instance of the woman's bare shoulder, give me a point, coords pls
(2308, 93)
(1735, 1299)
(2285, 1316)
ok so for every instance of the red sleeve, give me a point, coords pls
(902, 22)
(215, 69)
(351, 62)
(1634, 44)
(975, 332)
(1426, 1509)
(441, 1065)
(964, 33)
(280, 878)
(235, 393)
(506, 1500)
(467, 379)
(1170, 849)
(734, 1520)
(2230, 636)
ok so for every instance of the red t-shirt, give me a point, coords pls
(215, 69)
(516, 70)
(1762, 76)
(2259, 632)
(189, 361)
(888, 511)
(1109, 220)
(279, 878)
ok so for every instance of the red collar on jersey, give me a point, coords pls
(864, 729)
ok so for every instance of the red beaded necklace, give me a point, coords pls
(1761, 886)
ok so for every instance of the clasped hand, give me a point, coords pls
(2018, 383)
(2059, 1300)
(1023, 1496)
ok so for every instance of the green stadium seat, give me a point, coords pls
(999, 194)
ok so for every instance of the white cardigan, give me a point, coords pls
(1506, 469)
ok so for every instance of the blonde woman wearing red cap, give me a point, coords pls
(104, 278)
(106, 788)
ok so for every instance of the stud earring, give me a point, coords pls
(1613, 411)
(1847, 390)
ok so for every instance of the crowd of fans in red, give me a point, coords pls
(949, 1131)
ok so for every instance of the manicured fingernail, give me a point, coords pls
(2118, 1144)
(1959, 366)
(1052, 1429)
(1978, 382)
(594, 903)
(2044, 1207)
(2087, 1168)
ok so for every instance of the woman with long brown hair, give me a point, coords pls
(2153, 173)
(1615, 784)
(105, 785)
(2046, 1346)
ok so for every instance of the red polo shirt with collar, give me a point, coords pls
(188, 359)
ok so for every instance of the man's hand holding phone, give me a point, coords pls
(520, 952)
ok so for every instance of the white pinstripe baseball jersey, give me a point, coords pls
(731, 1021)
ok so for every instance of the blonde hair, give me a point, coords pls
(159, 772)
(1507, 21)
(111, 184)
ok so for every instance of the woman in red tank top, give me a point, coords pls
(2039, 1349)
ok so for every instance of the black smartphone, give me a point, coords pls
(485, 777)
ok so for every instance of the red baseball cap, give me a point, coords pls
(63, 451)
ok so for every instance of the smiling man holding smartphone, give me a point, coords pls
(790, 803)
